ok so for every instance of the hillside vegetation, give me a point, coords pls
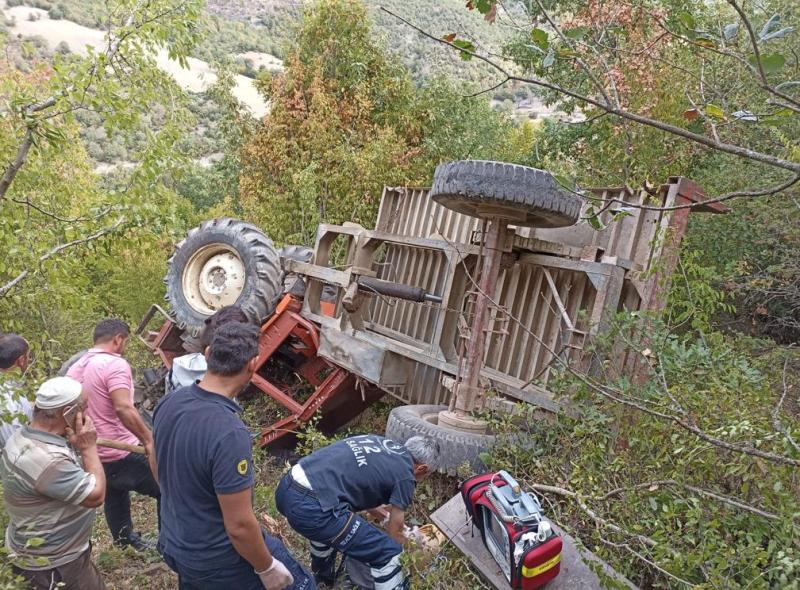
(684, 474)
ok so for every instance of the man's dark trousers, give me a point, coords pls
(342, 531)
(240, 575)
(123, 476)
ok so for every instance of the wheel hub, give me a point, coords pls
(213, 278)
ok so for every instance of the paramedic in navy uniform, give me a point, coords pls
(322, 494)
(209, 533)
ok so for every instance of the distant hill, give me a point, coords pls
(268, 26)
(424, 57)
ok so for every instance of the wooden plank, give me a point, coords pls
(522, 313)
(388, 198)
(553, 327)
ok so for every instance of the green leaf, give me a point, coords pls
(713, 110)
(781, 113)
(730, 31)
(696, 126)
(540, 38)
(687, 20)
(593, 220)
(564, 182)
(34, 542)
(771, 62)
(465, 45)
(576, 33)
(484, 6)
(705, 40)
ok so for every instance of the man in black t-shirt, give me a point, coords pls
(210, 536)
(323, 492)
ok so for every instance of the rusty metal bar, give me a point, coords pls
(468, 391)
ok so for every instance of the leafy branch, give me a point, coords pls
(143, 30)
(604, 104)
(57, 250)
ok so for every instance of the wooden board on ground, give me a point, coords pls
(575, 574)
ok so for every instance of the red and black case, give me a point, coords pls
(539, 563)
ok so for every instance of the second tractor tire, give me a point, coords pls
(455, 448)
(481, 188)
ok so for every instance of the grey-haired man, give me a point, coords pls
(53, 481)
(322, 494)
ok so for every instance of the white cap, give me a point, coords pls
(57, 392)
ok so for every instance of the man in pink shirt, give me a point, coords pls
(108, 380)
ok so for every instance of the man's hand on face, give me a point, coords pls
(83, 436)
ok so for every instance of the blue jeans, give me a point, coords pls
(240, 576)
(339, 530)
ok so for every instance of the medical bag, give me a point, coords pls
(513, 528)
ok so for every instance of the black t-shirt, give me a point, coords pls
(361, 472)
(203, 449)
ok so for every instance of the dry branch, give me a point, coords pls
(776, 421)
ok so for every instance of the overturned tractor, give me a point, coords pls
(484, 282)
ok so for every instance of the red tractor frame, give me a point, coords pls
(286, 334)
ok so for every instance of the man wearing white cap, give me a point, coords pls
(53, 481)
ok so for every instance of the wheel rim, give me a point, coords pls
(213, 278)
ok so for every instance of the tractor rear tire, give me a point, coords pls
(455, 448)
(525, 196)
(223, 262)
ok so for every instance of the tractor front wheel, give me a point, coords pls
(223, 262)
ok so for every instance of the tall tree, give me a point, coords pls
(345, 120)
(55, 216)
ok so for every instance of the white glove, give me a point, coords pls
(276, 576)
